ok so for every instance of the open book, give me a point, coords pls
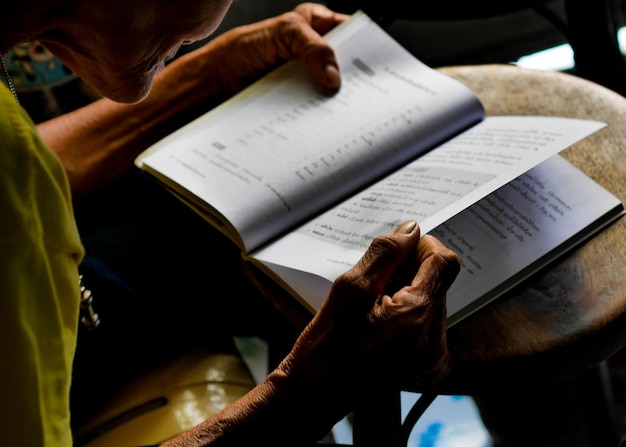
(302, 180)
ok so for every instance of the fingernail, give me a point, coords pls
(332, 76)
(408, 227)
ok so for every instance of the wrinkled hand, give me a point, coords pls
(385, 318)
(253, 50)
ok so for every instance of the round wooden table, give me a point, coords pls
(558, 324)
(572, 316)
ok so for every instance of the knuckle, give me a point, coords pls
(445, 258)
(351, 281)
(290, 22)
(450, 261)
(292, 28)
(385, 243)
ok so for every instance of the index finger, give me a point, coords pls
(439, 265)
(320, 17)
(379, 263)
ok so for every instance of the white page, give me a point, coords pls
(283, 149)
(500, 236)
(449, 179)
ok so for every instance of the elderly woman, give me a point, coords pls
(365, 336)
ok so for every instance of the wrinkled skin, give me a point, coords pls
(124, 52)
(384, 319)
(99, 142)
(256, 48)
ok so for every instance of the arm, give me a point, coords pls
(383, 320)
(101, 140)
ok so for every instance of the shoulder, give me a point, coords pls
(34, 191)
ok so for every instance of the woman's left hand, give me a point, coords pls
(243, 54)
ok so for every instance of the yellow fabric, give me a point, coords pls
(39, 295)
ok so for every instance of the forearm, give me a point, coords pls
(278, 411)
(100, 141)
(360, 343)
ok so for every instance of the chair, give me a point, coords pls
(590, 26)
(167, 400)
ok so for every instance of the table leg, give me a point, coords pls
(377, 421)
(598, 406)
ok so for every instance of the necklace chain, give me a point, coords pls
(8, 77)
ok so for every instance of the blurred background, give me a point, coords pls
(535, 36)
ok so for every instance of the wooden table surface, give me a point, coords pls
(571, 316)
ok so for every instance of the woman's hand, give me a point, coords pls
(243, 54)
(385, 319)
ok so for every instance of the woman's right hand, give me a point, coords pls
(384, 319)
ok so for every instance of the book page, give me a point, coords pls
(519, 228)
(506, 236)
(282, 150)
(431, 190)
